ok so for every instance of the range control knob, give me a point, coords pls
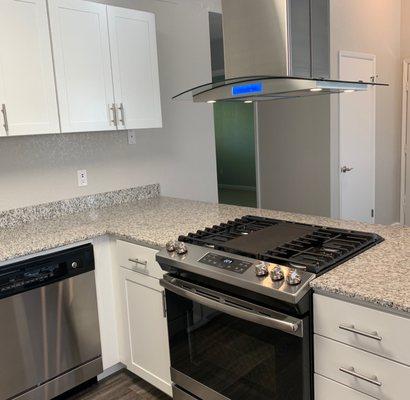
(171, 246)
(261, 268)
(74, 264)
(181, 248)
(293, 278)
(277, 274)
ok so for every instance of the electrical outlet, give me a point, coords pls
(82, 177)
(132, 137)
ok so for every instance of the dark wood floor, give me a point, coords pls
(121, 386)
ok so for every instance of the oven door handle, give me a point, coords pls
(282, 322)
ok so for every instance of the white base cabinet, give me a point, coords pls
(362, 371)
(143, 329)
(106, 299)
(360, 353)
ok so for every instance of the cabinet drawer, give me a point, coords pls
(325, 389)
(138, 259)
(377, 376)
(349, 323)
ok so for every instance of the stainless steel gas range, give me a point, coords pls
(239, 306)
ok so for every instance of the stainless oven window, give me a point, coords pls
(235, 357)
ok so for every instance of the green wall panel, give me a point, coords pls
(235, 144)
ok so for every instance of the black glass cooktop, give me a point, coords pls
(314, 248)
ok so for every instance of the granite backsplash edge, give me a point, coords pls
(56, 209)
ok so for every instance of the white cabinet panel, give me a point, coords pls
(326, 389)
(139, 259)
(27, 87)
(82, 65)
(388, 333)
(146, 329)
(106, 299)
(377, 376)
(135, 68)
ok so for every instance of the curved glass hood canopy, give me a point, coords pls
(265, 88)
(269, 50)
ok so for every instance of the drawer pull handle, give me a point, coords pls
(350, 371)
(352, 329)
(138, 261)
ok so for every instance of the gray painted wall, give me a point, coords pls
(181, 156)
(405, 29)
(294, 157)
(285, 128)
(374, 26)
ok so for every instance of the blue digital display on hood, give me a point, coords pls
(251, 88)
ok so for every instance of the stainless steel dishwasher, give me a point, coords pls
(49, 336)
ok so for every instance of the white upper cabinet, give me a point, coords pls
(27, 89)
(135, 68)
(79, 34)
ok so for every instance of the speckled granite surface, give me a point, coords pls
(379, 276)
(61, 208)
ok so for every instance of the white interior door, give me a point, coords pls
(135, 68)
(27, 87)
(357, 140)
(79, 32)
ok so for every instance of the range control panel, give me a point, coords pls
(223, 262)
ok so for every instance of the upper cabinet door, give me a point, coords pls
(135, 68)
(28, 101)
(79, 34)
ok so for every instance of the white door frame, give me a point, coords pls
(406, 65)
(370, 57)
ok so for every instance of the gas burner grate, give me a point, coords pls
(314, 248)
(217, 236)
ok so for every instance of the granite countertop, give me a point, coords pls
(380, 276)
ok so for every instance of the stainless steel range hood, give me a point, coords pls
(274, 49)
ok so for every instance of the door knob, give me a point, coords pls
(345, 169)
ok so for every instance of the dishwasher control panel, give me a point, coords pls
(44, 270)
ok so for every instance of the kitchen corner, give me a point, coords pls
(127, 229)
(142, 216)
(204, 199)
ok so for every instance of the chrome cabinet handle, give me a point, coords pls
(282, 323)
(352, 329)
(345, 169)
(138, 261)
(6, 123)
(122, 113)
(113, 110)
(351, 371)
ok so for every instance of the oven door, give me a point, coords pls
(225, 348)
